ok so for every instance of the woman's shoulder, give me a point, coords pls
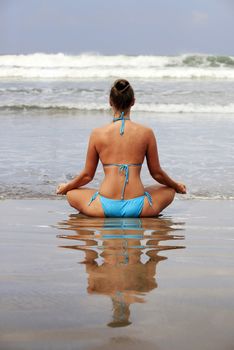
(99, 131)
(143, 128)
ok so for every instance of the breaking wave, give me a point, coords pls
(140, 107)
(95, 66)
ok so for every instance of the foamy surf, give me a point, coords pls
(153, 107)
(94, 66)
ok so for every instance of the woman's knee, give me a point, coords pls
(71, 198)
(164, 198)
(171, 194)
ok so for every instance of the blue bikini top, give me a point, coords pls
(123, 168)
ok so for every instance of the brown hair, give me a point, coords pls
(121, 95)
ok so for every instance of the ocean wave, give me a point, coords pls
(95, 60)
(13, 90)
(55, 107)
(94, 66)
(140, 107)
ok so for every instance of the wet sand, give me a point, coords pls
(70, 282)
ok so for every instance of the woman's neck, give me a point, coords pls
(117, 114)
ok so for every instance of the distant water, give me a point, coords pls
(201, 83)
(50, 103)
(94, 66)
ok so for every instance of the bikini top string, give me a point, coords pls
(121, 117)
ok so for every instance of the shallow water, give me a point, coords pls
(50, 103)
(40, 150)
(69, 282)
(121, 257)
(78, 283)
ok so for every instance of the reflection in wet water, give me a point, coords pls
(121, 256)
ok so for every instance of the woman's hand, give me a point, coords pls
(180, 188)
(62, 188)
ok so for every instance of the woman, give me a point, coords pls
(121, 146)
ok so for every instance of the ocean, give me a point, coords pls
(49, 103)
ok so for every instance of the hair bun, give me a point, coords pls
(122, 95)
(121, 85)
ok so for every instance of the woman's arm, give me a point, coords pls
(155, 168)
(87, 173)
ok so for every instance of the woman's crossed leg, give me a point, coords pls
(79, 199)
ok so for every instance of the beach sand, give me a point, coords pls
(61, 286)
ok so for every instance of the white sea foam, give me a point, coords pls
(140, 107)
(93, 66)
(185, 108)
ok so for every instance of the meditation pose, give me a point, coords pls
(121, 146)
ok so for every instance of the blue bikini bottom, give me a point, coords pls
(119, 208)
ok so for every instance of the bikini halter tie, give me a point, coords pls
(122, 122)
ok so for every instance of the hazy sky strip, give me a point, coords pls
(160, 27)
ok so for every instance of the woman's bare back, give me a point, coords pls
(129, 148)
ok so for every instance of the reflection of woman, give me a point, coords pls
(122, 275)
(121, 257)
(121, 146)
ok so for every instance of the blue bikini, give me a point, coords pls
(122, 207)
